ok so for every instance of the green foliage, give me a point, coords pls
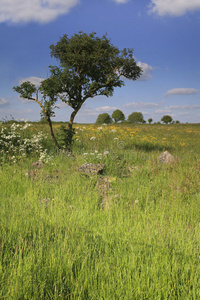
(104, 118)
(89, 66)
(65, 136)
(166, 119)
(118, 115)
(136, 117)
(150, 120)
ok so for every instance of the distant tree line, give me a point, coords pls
(135, 117)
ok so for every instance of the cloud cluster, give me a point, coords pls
(121, 1)
(173, 7)
(147, 70)
(41, 11)
(140, 105)
(34, 80)
(104, 109)
(171, 108)
(85, 112)
(3, 101)
(181, 91)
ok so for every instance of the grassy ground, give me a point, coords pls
(57, 242)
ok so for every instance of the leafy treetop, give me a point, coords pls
(136, 117)
(166, 119)
(118, 115)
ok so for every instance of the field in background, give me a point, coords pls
(57, 241)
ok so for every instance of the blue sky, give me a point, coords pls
(165, 35)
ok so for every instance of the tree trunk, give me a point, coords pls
(70, 128)
(51, 132)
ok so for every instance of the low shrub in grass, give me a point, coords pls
(17, 142)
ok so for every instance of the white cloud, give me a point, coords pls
(138, 105)
(41, 11)
(34, 80)
(121, 1)
(147, 70)
(3, 101)
(173, 7)
(165, 110)
(171, 108)
(105, 109)
(184, 107)
(181, 91)
(96, 111)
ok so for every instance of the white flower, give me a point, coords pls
(136, 201)
(105, 152)
(85, 154)
(100, 128)
(104, 124)
(113, 130)
(92, 138)
(115, 138)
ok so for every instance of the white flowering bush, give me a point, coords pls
(15, 144)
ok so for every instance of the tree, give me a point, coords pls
(136, 117)
(29, 91)
(118, 115)
(88, 66)
(150, 120)
(104, 118)
(166, 119)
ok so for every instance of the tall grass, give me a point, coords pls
(56, 241)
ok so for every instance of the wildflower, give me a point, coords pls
(92, 138)
(113, 130)
(85, 154)
(100, 128)
(116, 138)
(105, 152)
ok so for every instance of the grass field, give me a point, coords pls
(57, 241)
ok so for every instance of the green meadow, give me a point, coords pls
(57, 240)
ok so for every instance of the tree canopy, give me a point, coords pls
(166, 119)
(118, 115)
(104, 118)
(136, 117)
(88, 66)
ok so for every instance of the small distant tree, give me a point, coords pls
(166, 119)
(28, 90)
(104, 118)
(118, 115)
(150, 120)
(136, 117)
(177, 122)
